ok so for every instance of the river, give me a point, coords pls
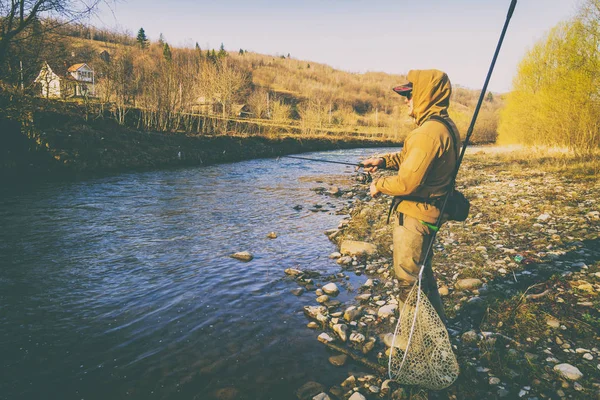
(122, 286)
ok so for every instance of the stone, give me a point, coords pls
(356, 337)
(341, 330)
(349, 383)
(369, 345)
(363, 297)
(400, 342)
(335, 255)
(312, 325)
(272, 235)
(293, 272)
(297, 291)
(243, 256)
(543, 217)
(315, 311)
(552, 322)
(357, 396)
(355, 248)
(338, 360)
(468, 284)
(351, 313)
(443, 290)
(322, 299)
(321, 396)
(385, 387)
(588, 356)
(331, 289)
(344, 260)
(568, 371)
(325, 338)
(387, 311)
(309, 390)
(469, 337)
(494, 380)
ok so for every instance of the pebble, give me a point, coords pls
(357, 337)
(338, 360)
(357, 396)
(588, 356)
(341, 330)
(468, 284)
(272, 235)
(322, 299)
(331, 289)
(325, 338)
(387, 311)
(335, 255)
(243, 256)
(312, 325)
(494, 381)
(552, 322)
(568, 371)
(297, 291)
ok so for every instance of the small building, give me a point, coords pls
(75, 81)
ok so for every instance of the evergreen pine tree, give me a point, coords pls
(222, 52)
(167, 52)
(142, 39)
(241, 52)
(198, 50)
(161, 39)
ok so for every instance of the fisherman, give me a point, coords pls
(425, 170)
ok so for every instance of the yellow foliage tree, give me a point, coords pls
(555, 99)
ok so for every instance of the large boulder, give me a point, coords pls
(355, 248)
(243, 256)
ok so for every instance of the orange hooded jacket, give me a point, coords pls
(428, 158)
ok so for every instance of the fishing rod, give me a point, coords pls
(362, 177)
(357, 165)
(469, 131)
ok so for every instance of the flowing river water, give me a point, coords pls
(122, 286)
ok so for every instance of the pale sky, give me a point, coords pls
(456, 36)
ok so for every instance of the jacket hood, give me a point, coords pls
(431, 93)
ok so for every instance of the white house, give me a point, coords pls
(75, 81)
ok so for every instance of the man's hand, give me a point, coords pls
(373, 164)
(373, 190)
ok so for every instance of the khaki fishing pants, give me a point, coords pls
(411, 241)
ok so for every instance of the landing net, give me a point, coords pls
(421, 353)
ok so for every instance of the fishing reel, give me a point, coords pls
(363, 177)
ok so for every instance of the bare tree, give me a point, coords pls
(17, 15)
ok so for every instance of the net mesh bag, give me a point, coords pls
(421, 353)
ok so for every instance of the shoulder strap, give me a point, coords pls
(443, 121)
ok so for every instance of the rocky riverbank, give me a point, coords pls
(520, 281)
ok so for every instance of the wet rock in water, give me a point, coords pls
(356, 337)
(357, 396)
(351, 313)
(313, 325)
(297, 208)
(369, 283)
(568, 371)
(227, 393)
(338, 360)
(322, 299)
(272, 235)
(399, 342)
(369, 345)
(335, 191)
(315, 311)
(331, 289)
(363, 297)
(355, 248)
(293, 272)
(350, 382)
(333, 303)
(387, 311)
(385, 387)
(468, 284)
(325, 338)
(297, 291)
(309, 390)
(335, 255)
(341, 330)
(321, 396)
(243, 256)
(344, 260)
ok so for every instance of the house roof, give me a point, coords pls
(75, 67)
